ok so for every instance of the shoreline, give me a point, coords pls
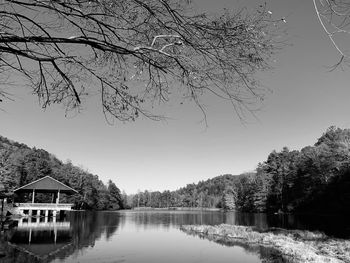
(293, 246)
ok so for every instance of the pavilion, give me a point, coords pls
(49, 185)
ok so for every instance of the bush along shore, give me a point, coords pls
(293, 246)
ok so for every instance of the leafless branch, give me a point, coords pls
(334, 17)
(135, 52)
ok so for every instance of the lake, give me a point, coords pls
(146, 236)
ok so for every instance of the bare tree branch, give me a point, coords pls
(135, 52)
(334, 17)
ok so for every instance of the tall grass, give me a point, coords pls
(293, 245)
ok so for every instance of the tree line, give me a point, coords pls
(212, 193)
(314, 179)
(20, 165)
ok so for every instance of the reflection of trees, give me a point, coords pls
(85, 229)
(246, 219)
(167, 219)
(336, 226)
(331, 225)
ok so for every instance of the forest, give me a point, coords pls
(20, 164)
(315, 179)
(210, 194)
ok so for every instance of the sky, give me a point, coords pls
(305, 99)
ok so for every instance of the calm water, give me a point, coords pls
(118, 237)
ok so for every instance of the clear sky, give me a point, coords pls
(305, 100)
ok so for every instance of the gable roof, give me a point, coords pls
(46, 184)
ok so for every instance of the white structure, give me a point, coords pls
(44, 185)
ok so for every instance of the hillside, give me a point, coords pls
(20, 164)
(212, 193)
(315, 179)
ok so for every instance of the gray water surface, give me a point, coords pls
(135, 236)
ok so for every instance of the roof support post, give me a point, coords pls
(58, 197)
(33, 196)
(2, 206)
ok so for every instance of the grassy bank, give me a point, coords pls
(293, 246)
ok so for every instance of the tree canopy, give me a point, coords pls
(134, 53)
(20, 165)
(212, 193)
(314, 179)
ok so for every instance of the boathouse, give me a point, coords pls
(46, 185)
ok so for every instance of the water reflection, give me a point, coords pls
(165, 219)
(157, 219)
(125, 236)
(335, 226)
(44, 239)
(265, 254)
(41, 237)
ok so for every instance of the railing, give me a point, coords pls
(44, 206)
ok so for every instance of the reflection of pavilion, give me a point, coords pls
(45, 185)
(43, 238)
(42, 224)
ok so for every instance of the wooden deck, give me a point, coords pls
(42, 209)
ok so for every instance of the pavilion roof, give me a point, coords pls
(46, 184)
